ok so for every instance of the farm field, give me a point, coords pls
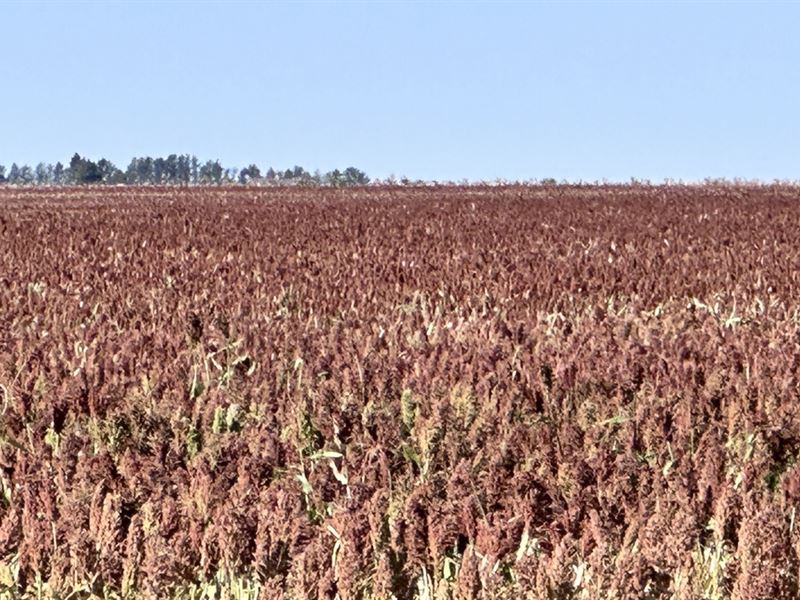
(409, 392)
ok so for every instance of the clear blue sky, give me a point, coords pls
(428, 90)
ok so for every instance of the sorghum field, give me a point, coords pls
(421, 393)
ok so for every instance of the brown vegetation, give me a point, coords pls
(411, 392)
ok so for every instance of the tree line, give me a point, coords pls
(175, 169)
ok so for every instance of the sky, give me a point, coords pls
(429, 90)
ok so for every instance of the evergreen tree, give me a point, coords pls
(58, 174)
(76, 168)
(83, 170)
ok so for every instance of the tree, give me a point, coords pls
(171, 168)
(91, 173)
(159, 168)
(334, 178)
(231, 174)
(140, 170)
(249, 173)
(184, 169)
(131, 173)
(58, 174)
(211, 172)
(83, 170)
(42, 174)
(353, 176)
(13, 173)
(174, 169)
(26, 175)
(76, 168)
(195, 169)
(299, 173)
(109, 173)
(147, 170)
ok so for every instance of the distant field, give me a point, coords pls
(420, 393)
